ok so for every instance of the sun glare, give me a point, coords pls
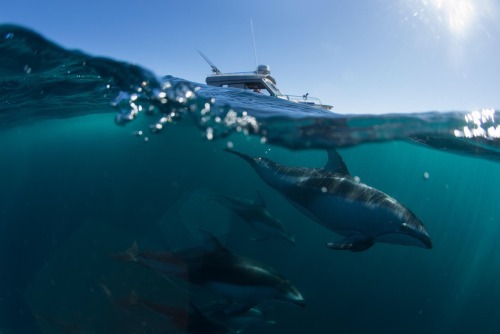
(457, 18)
(457, 15)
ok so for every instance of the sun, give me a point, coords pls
(455, 18)
(457, 15)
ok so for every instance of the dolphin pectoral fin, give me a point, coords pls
(335, 163)
(353, 243)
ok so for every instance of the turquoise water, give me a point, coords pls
(79, 181)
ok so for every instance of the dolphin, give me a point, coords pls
(191, 320)
(252, 318)
(255, 213)
(333, 198)
(243, 282)
(211, 318)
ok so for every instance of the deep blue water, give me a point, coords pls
(97, 154)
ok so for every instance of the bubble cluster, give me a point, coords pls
(177, 99)
(479, 123)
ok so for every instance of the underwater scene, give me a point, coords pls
(135, 203)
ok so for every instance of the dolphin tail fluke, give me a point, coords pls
(353, 243)
(130, 254)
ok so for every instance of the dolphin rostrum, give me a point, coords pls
(255, 213)
(336, 200)
(243, 282)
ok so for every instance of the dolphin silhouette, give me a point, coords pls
(243, 282)
(252, 318)
(334, 199)
(191, 320)
(255, 213)
(211, 318)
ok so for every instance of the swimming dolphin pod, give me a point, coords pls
(255, 213)
(242, 281)
(334, 199)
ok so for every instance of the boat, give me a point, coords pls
(260, 82)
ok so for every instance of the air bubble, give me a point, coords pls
(210, 133)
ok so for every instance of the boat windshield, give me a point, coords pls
(273, 87)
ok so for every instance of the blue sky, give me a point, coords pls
(371, 56)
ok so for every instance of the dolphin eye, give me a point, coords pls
(411, 226)
(406, 226)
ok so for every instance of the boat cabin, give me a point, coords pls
(259, 81)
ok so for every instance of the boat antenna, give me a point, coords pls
(254, 47)
(212, 65)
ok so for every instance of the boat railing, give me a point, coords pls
(236, 74)
(303, 99)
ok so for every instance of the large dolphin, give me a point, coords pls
(255, 213)
(243, 282)
(333, 198)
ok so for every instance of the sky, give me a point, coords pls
(362, 56)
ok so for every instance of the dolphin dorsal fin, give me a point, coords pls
(335, 163)
(211, 244)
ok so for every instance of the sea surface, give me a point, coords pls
(97, 154)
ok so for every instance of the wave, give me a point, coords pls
(41, 81)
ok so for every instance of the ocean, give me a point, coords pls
(97, 154)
